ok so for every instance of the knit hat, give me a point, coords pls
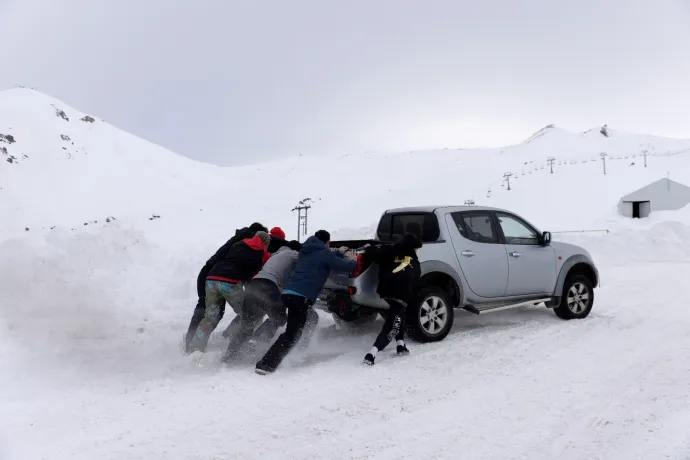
(277, 232)
(264, 237)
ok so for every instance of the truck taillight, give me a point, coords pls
(360, 266)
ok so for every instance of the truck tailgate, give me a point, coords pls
(340, 280)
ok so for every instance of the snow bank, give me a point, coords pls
(92, 301)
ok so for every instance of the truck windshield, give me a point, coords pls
(393, 227)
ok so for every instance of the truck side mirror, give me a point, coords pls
(546, 238)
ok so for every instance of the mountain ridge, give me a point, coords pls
(69, 171)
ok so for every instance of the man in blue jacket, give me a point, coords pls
(314, 265)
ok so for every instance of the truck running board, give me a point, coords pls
(492, 308)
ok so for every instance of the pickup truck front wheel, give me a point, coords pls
(577, 299)
(430, 316)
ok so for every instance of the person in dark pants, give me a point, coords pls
(225, 281)
(398, 271)
(262, 297)
(240, 234)
(277, 241)
(314, 265)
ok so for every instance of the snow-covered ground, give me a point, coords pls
(92, 315)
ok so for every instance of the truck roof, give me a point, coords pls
(449, 208)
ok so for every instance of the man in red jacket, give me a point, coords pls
(224, 283)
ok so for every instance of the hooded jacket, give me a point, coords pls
(399, 269)
(313, 267)
(241, 262)
(279, 266)
(240, 234)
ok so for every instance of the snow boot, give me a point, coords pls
(263, 369)
(402, 350)
(368, 359)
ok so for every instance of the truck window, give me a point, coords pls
(384, 231)
(476, 226)
(516, 231)
(393, 227)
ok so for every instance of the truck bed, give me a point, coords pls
(352, 244)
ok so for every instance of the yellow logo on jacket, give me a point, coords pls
(404, 263)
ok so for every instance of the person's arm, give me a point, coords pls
(379, 253)
(337, 262)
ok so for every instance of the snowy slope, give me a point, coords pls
(91, 315)
(101, 171)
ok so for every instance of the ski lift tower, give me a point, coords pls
(304, 205)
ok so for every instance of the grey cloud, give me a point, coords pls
(233, 82)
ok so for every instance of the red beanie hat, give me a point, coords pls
(277, 232)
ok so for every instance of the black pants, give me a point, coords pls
(301, 323)
(261, 297)
(200, 308)
(393, 327)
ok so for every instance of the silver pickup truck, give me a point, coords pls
(475, 258)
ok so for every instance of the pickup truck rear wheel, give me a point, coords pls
(577, 299)
(430, 317)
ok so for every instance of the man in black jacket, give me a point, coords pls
(398, 271)
(240, 234)
(225, 281)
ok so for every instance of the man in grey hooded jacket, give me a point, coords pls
(263, 297)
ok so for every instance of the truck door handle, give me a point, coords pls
(467, 253)
(515, 254)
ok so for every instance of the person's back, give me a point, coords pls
(242, 261)
(313, 267)
(240, 234)
(399, 268)
(279, 267)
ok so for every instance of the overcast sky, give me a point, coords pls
(234, 82)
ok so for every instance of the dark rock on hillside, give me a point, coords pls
(7, 138)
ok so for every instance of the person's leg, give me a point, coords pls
(391, 329)
(247, 320)
(216, 292)
(200, 305)
(309, 328)
(401, 348)
(277, 315)
(234, 296)
(297, 308)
